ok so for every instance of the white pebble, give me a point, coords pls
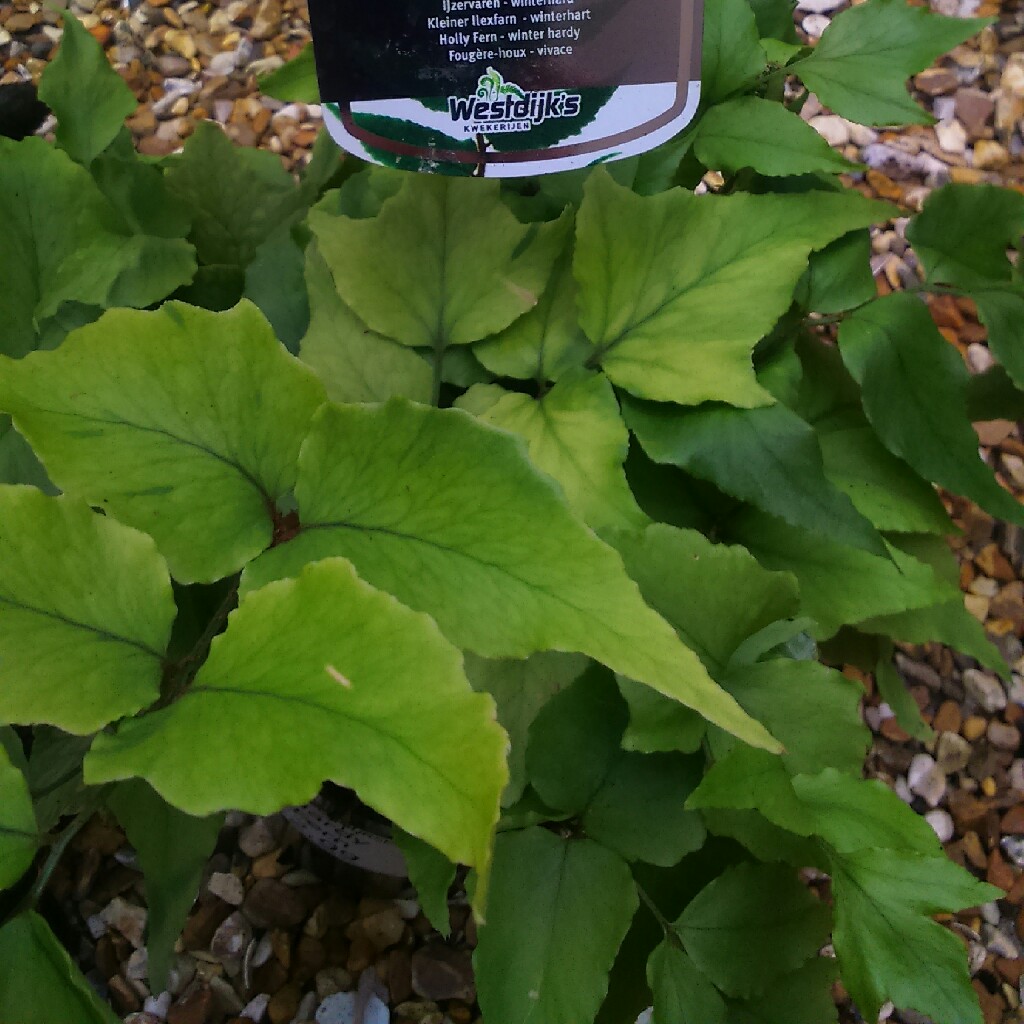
(941, 823)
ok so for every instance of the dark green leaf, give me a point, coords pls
(295, 82)
(431, 874)
(172, 850)
(803, 997)
(682, 995)
(914, 388)
(18, 830)
(545, 953)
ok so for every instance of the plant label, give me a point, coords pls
(504, 88)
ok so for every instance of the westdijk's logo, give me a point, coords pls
(503, 106)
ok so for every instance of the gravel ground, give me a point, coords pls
(282, 932)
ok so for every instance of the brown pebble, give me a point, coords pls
(948, 717)
(195, 1007)
(999, 872)
(272, 904)
(936, 81)
(439, 972)
(1003, 736)
(284, 1004)
(892, 730)
(974, 728)
(204, 922)
(973, 850)
(1010, 970)
(990, 559)
(1012, 822)
(360, 954)
(993, 1008)
(123, 996)
(309, 958)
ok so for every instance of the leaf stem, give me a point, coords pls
(666, 925)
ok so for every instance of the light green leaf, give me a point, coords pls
(545, 955)
(85, 614)
(575, 433)
(39, 984)
(801, 997)
(431, 874)
(851, 814)
(444, 262)
(89, 97)
(775, 19)
(732, 55)
(546, 342)
(814, 712)
(61, 246)
(520, 689)
(237, 197)
(676, 289)
(180, 422)
(881, 899)
(450, 516)
(764, 135)
(962, 237)
(172, 850)
(751, 924)
(839, 585)
(657, 724)
(882, 487)
(323, 677)
(768, 457)
(18, 839)
(294, 82)
(914, 390)
(682, 995)
(863, 59)
(354, 363)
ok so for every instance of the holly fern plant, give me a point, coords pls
(533, 513)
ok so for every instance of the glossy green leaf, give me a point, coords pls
(814, 712)
(61, 245)
(639, 809)
(657, 724)
(275, 282)
(236, 196)
(85, 614)
(751, 924)
(914, 386)
(431, 874)
(765, 840)
(493, 553)
(675, 290)
(732, 56)
(354, 363)
(851, 814)
(696, 584)
(574, 433)
(802, 997)
(580, 726)
(839, 585)
(768, 457)
(172, 850)
(323, 677)
(89, 97)
(948, 622)
(18, 839)
(775, 19)
(765, 136)
(546, 342)
(753, 780)
(682, 995)
(55, 773)
(862, 61)
(520, 689)
(883, 488)
(883, 899)
(839, 276)
(180, 422)
(962, 237)
(544, 956)
(295, 81)
(443, 263)
(39, 984)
